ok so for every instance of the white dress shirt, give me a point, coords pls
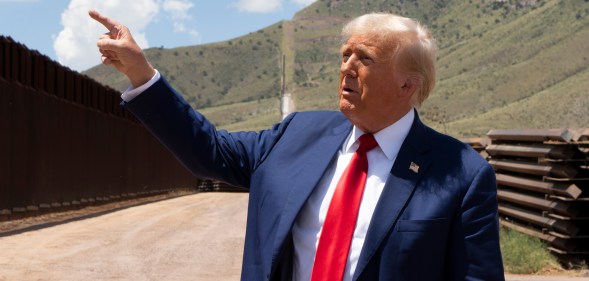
(307, 227)
(131, 92)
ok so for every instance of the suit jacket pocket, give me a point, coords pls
(421, 225)
(421, 244)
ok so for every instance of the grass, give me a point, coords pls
(524, 254)
(541, 110)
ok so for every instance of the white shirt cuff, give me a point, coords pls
(131, 92)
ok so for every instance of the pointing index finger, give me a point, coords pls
(110, 24)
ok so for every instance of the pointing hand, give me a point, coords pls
(119, 49)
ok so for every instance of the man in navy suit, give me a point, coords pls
(427, 207)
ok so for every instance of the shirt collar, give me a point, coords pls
(389, 139)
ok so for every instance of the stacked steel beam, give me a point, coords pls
(218, 186)
(543, 184)
(479, 145)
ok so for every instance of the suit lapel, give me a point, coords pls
(319, 154)
(411, 164)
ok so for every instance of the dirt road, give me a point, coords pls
(196, 237)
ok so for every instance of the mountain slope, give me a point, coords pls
(525, 59)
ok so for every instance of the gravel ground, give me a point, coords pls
(511, 277)
(195, 237)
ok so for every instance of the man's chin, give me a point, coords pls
(348, 109)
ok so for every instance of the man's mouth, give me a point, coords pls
(347, 90)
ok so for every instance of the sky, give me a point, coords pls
(63, 31)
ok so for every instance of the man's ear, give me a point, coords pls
(410, 85)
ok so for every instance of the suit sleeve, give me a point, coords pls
(195, 142)
(474, 252)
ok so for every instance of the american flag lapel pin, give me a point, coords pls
(414, 167)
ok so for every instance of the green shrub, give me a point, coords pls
(524, 254)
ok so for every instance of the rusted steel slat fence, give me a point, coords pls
(64, 139)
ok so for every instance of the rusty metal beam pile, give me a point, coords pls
(218, 186)
(543, 184)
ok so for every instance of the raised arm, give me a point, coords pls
(119, 49)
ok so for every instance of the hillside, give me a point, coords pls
(501, 64)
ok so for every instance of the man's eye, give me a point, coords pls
(366, 59)
(345, 57)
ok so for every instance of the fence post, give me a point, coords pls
(68, 85)
(5, 160)
(50, 75)
(78, 91)
(93, 96)
(14, 62)
(7, 58)
(60, 83)
(3, 47)
(26, 72)
(37, 72)
(20, 153)
(108, 101)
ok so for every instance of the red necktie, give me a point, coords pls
(340, 221)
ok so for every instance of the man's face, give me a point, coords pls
(370, 87)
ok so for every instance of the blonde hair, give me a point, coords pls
(415, 48)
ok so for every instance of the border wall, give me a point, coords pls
(65, 140)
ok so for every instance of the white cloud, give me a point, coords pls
(178, 11)
(303, 2)
(258, 6)
(177, 8)
(75, 45)
(179, 27)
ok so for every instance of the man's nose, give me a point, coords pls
(348, 68)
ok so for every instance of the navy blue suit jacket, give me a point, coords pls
(437, 222)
